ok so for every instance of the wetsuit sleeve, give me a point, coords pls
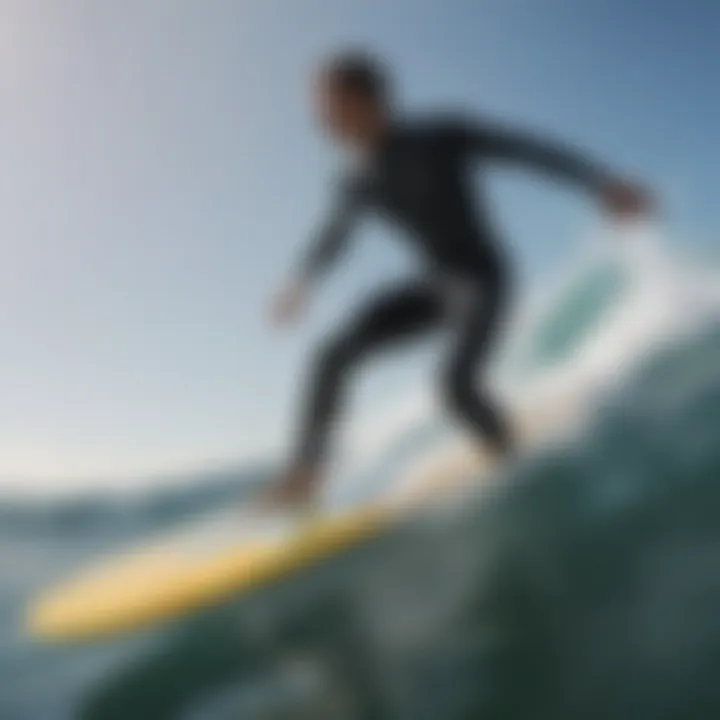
(496, 142)
(332, 238)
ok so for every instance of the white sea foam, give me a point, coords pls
(660, 297)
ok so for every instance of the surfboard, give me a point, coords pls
(230, 555)
(205, 564)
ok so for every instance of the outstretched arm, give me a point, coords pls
(332, 239)
(497, 142)
(555, 158)
(324, 251)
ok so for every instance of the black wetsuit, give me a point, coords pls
(420, 178)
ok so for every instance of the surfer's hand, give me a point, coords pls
(624, 200)
(290, 303)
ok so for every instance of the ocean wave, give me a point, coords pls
(589, 577)
(618, 528)
(105, 513)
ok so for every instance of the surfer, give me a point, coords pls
(417, 172)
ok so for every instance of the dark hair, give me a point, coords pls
(359, 73)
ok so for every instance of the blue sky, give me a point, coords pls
(160, 172)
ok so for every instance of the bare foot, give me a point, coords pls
(295, 489)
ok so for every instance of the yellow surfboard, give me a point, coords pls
(207, 564)
(227, 556)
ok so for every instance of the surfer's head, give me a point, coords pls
(353, 98)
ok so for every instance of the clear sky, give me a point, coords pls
(159, 172)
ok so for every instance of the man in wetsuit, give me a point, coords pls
(418, 174)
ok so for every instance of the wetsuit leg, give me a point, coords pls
(398, 315)
(476, 320)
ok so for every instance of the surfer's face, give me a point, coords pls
(349, 117)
